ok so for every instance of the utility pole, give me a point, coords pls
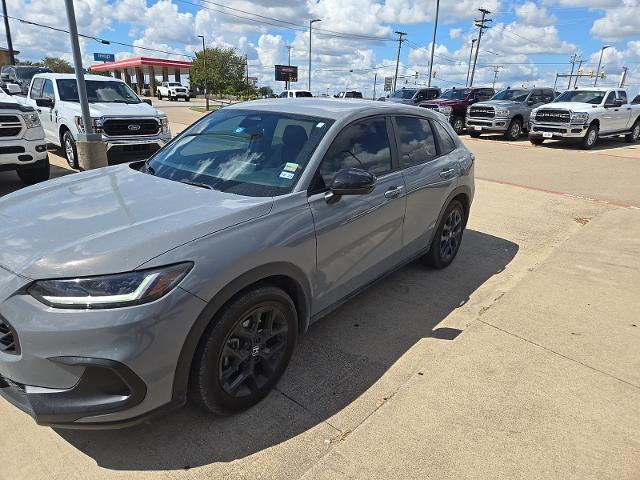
(474, 40)
(495, 74)
(482, 25)
(595, 82)
(433, 42)
(575, 83)
(246, 62)
(623, 77)
(288, 82)
(204, 66)
(574, 59)
(375, 80)
(12, 57)
(556, 82)
(400, 40)
(311, 22)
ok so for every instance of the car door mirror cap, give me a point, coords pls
(353, 181)
(45, 102)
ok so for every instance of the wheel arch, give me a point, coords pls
(283, 275)
(463, 195)
(596, 122)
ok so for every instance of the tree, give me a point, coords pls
(225, 71)
(265, 91)
(57, 65)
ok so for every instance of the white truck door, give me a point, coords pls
(49, 116)
(625, 111)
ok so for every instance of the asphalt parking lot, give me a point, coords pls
(521, 360)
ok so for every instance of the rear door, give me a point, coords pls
(359, 237)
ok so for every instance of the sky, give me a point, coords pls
(529, 41)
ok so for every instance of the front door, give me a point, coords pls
(49, 116)
(359, 237)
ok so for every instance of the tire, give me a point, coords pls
(515, 130)
(458, 125)
(159, 96)
(474, 134)
(590, 138)
(448, 237)
(536, 140)
(36, 174)
(232, 372)
(187, 99)
(70, 150)
(635, 133)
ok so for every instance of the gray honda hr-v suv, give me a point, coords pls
(126, 290)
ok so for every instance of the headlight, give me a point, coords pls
(110, 291)
(504, 112)
(96, 122)
(579, 117)
(31, 120)
(445, 110)
(164, 124)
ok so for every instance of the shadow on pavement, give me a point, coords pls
(611, 143)
(340, 358)
(10, 182)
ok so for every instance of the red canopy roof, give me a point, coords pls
(139, 62)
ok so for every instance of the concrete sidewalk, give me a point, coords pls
(545, 384)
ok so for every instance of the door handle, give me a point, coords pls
(448, 173)
(39, 110)
(393, 192)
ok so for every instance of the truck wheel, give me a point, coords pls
(70, 151)
(187, 99)
(159, 95)
(458, 125)
(590, 138)
(635, 133)
(536, 140)
(515, 130)
(35, 174)
(474, 134)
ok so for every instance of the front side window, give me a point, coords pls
(417, 144)
(593, 97)
(363, 145)
(610, 99)
(98, 91)
(47, 90)
(405, 93)
(447, 143)
(246, 152)
(457, 94)
(622, 95)
(36, 88)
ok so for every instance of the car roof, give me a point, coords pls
(59, 76)
(597, 89)
(331, 108)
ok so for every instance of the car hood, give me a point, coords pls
(115, 109)
(399, 100)
(110, 220)
(573, 106)
(443, 101)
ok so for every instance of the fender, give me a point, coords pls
(278, 269)
(462, 189)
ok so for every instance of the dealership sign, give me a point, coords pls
(104, 57)
(286, 73)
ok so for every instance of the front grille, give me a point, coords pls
(553, 116)
(8, 339)
(482, 112)
(9, 131)
(550, 129)
(9, 119)
(133, 126)
(430, 106)
(480, 122)
(7, 150)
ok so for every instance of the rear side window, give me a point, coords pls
(417, 144)
(447, 143)
(36, 89)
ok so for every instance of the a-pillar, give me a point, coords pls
(165, 74)
(117, 74)
(177, 75)
(139, 80)
(152, 81)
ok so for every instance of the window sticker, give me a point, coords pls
(291, 167)
(287, 175)
(238, 130)
(319, 124)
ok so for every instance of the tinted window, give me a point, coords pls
(610, 98)
(362, 145)
(547, 96)
(36, 89)
(417, 144)
(447, 143)
(536, 97)
(456, 94)
(303, 94)
(405, 93)
(47, 90)
(622, 95)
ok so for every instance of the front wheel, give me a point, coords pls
(474, 134)
(458, 125)
(70, 151)
(635, 133)
(245, 351)
(536, 140)
(187, 99)
(515, 130)
(159, 96)
(590, 138)
(448, 237)
(35, 174)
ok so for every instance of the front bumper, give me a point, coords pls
(179, 94)
(18, 152)
(92, 368)
(157, 141)
(554, 130)
(498, 124)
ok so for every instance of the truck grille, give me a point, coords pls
(9, 119)
(482, 112)
(10, 126)
(553, 116)
(8, 339)
(133, 126)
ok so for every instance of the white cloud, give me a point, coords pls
(455, 32)
(619, 22)
(530, 13)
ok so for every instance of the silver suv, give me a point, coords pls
(132, 286)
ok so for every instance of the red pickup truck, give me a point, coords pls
(453, 103)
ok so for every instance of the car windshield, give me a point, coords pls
(98, 91)
(246, 152)
(303, 94)
(594, 97)
(513, 95)
(404, 93)
(456, 94)
(27, 73)
(175, 84)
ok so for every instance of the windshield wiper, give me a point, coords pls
(197, 184)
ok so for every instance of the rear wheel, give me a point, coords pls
(474, 134)
(458, 125)
(635, 133)
(536, 140)
(590, 138)
(244, 352)
(159, 95)
(35, 174)
(515, 129)
(70, 151)
(448, 237)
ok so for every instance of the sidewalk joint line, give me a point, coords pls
(318, 417)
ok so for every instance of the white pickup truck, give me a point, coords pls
(586, 114)
(22, 145)
(172, 91)
(130, 127)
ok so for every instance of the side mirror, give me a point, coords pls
(45, 102)
(147, 101)
(13, 89)
(618, 102)
(4, 76)
(353, 181)
(531, 102)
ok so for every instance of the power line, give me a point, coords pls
(482, 25)
(400, 35)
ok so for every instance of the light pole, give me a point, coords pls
(595, 82)
(204, 66)
(288, 82)
(311, 22)
(433, 43)
(473, 40)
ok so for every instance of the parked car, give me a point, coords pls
(507, 112)
(173, 91)
(351, 94)
(195, 272)
(20, 75)
(22, 145)
(586, 114)
(414, 95)
(453, 103)
(295, 94)
(145, 91)
(129, 126)
(636, 100)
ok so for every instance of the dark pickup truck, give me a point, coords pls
(453, 103)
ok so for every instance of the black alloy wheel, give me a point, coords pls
(448, 236)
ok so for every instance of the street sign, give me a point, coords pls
(388, 84)
(286, 73)
(104, 57)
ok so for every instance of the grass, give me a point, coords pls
(212, 108)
